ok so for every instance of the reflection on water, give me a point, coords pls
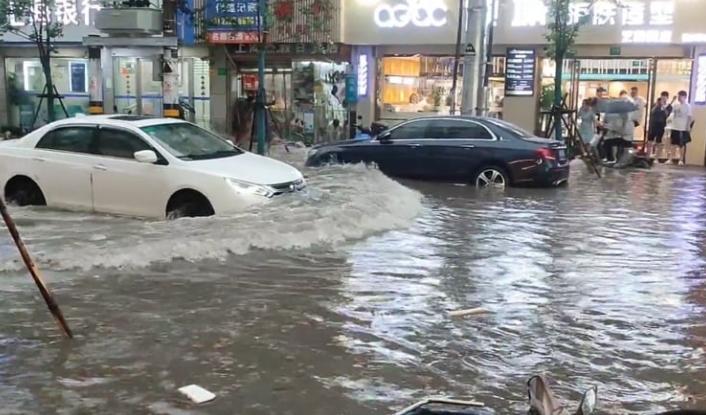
(337, 302)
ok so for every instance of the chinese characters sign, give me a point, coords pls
(66, 12)
(520, 68)
(232, 21)
(642, 21)
(230, 36)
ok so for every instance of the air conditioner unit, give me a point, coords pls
(131, 21)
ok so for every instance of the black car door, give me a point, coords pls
(398, 151)
(457, 147)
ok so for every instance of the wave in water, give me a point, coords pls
(343, 203)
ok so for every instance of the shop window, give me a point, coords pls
(414, 85)
(25, 80)
(78, 81)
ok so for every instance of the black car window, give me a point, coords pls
(457, 129)
(73, 139)
(118, 143)
(409, 131)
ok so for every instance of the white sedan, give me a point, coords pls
(138, 166)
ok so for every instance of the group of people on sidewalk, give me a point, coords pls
(609, 125)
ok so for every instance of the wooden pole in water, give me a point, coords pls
(32, 268)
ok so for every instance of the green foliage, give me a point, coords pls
(38, 14)
(546, 98)
(41, 28)
(15, 93)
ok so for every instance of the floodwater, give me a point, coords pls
(336, 301)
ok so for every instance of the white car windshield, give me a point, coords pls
(189, 142)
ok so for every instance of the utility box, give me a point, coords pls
(130, 21)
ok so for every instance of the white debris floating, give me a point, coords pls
(468, 312)
(197, 394)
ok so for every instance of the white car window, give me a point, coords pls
(189, 142)
(73, 139)
(118, 143)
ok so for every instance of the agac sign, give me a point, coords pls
(417, 13)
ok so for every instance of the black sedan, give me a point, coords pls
(486, 152)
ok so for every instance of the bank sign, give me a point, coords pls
(640, 21)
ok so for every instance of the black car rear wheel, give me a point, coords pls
(491, 177)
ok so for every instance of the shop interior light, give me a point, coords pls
(400, 80)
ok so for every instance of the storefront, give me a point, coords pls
(403, 57)
(305, 68)
(131, 74)
(646, 44)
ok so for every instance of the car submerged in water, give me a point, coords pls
(138, 166)
(485, 152)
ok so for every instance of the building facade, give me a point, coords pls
(127, 75)
(654, 45)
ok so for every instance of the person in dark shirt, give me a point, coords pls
(658, 123)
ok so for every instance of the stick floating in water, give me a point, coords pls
(468, 312)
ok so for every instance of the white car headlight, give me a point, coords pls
(251, 188)
(313, 152)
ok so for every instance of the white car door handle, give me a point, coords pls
(468, 147)
(100, 167)
(39, 159)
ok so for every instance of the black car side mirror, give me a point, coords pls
(385, 137)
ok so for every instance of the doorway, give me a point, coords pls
(138, 87)
(138, 90)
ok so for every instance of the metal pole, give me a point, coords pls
(32, 268)
(472, 62)
(260, 118)
(457, 56)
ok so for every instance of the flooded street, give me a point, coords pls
(336, 301)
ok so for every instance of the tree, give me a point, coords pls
(561, 35)
(33, 20)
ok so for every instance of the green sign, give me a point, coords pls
(222, 71)
(615, 51)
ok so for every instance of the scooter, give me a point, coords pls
(541, 402)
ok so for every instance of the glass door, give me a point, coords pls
(137, 91)
(126, 86)
(150, 88)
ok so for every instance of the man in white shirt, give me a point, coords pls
(682, 118)
(638, 115)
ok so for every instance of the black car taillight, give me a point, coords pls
(546, 154)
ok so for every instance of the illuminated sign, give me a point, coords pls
(418, 13)
(520, 66)
(627, 14)
(66, 12)
(700, 88)
(362, 75)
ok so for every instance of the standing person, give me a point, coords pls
(587, 115)
(638, 115)
(658, 125)
(682, 118)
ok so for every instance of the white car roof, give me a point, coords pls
(118, 120)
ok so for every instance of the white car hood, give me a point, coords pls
(248, 167)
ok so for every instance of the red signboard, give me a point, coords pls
(227, 37)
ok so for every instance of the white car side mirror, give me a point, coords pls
(146, 156)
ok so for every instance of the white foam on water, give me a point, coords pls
(342, 204)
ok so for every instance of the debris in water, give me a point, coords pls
(197, 394)
(468, 312)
